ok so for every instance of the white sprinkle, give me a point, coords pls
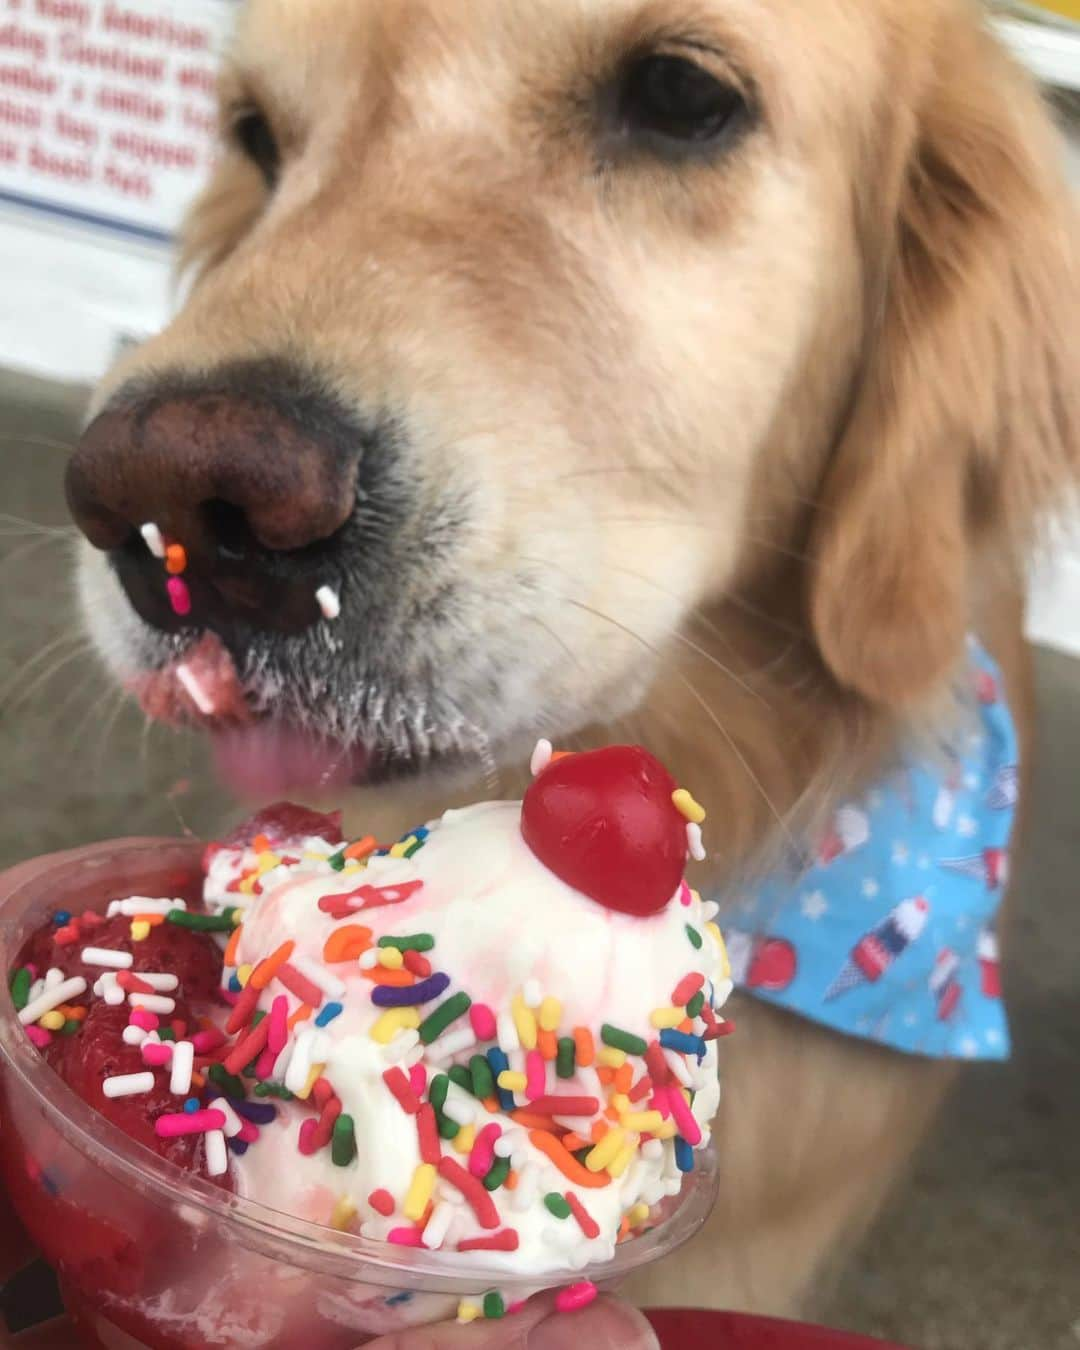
(524, 1194)
(53, 977)
(105, 956)
(141, 904)
(436, 1228)
(677, 1065)
(183, 1061)
(541, 757)
(519, 1158)
(233, 1124)
(652, 1149)
(460, 1109)
(155, 1003)
(155, 541)
(404, 1045)
(195, 690)
(506, 1033)
(328, 601)
(36, 990)
(709, 910)
(464, 1038)
(128, 1084)
(300, 1065)
(133, 1035)
(694, 843)
(317, 973)
(164, 984)
(281, 1064)
(217, 1157)
(369, 959)
(722, 993)
(502, 1147)
(532, 993)
(52, 998)
(113, 994)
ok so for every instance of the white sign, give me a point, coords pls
(107, 111)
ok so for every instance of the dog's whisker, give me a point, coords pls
(14, 441)
(79, 644)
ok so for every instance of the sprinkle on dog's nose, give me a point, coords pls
(238, 490)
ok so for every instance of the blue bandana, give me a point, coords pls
(889, 932)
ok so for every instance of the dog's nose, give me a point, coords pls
(253, 486)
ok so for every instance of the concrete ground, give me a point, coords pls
(981, 1248)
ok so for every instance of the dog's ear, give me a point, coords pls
(965, 423)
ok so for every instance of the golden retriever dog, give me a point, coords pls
(695, 372)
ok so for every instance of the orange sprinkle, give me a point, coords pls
(624, 1228)
(154, 920)
(567, 1164)
(584, 1047)
(597, 1131)
(511, 1180)
(363, 848)
(72, 1014)
(175, 559)
(347, 944)
(624, 1079)
(547, 1043)
(260, 844)
(197, 1079)
(559, 754)
(606, 1075)
(234, 942)
(687, 1025)
(397, 979)
(491, 1105)
(573, 1143)
(532, 1121)
(300, 1015)
(611, 1114)
(265, 971)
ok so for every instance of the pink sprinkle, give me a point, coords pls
(405, 1237)
(660, 1102)
(32, 969)
(535, 1075)
(482, 1157)
(575, 1296)
(264, 1065)
(147, 1020)
(174, 1124)
(156, 1053)
(227, 996)
(418, 1079)
(39, 1036)
(248, 1132)
(210, 1039)
(179, 596)
(684, 893)
(89, 919)
(515, 1307)
(483, 1021)
(684, 1117)
(305, 1143)
(279, 1027)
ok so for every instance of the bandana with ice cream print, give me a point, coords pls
(889, 932)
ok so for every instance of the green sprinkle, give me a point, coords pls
(694, 1007)
(460, 1075)
(622, 1040)
(557, 1205)
(200, 923)
(167, 1034)
(565, 1057)
(278, 1090)
(343, 1141)
(20, 988)
(694, 936)
(494, 1307)
(228, 1082)
(500, 1170)
(337, 861)
(437, 1091)
(483, 1079)
(419, 942)
(448, 1129)
(414, 848)
(436, 1023)
(70, 1027)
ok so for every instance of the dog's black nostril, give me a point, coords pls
(254, 473)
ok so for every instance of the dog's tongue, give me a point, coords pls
(268, 759)
(201, 686)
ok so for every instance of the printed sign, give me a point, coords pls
(107, 112)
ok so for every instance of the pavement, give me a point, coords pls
(980, 1249)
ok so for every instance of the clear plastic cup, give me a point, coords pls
(150, 1255)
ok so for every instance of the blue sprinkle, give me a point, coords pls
(61, 917)
(684, 1155)
(328, 1013)
(191, 1105)
(499, 1062)
(396, 1299)
(412, 995)
(238, 1146)
(682, 1042)
(235, 987)
(50, 1186)
(259, 1113)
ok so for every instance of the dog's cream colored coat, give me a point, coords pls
(792, 411)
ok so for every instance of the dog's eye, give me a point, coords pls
(254, 136)
(671, 100)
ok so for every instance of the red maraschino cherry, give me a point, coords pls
(603, 821)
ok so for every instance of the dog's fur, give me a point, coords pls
(735, 451)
